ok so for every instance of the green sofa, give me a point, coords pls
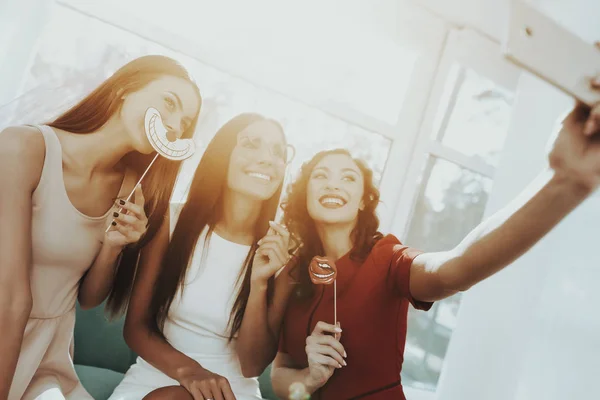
(102, 356)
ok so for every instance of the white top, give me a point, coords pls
(197, 324)
(198, 319)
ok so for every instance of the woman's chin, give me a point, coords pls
(332, 220)
(145, 148)
(257, 194)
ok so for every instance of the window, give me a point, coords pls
(476, 118)
(66, 66)
(374, 107)
(460, 144)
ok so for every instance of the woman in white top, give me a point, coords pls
(191, 292)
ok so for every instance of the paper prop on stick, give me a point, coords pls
(322, 271)
(166, 146)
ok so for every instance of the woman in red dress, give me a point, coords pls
(331, 209)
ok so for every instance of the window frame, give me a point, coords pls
(472, 50)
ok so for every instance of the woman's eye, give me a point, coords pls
(170, 103)
(318, 175)
(249, 143)
(349, 178)
(278, 152)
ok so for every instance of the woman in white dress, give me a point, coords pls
(192, 290)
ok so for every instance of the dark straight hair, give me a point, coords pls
(202, 210)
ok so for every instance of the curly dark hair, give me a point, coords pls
(303, 230)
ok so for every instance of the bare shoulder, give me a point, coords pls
(22, 153)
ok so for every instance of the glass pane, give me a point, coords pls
(67, 66)
(475, 116)
(450, 204)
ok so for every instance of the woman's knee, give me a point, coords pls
(169, 393)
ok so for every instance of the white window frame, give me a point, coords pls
(472, 50)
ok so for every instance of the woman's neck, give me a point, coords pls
(336, 239)
(238, 221)
(101, 150)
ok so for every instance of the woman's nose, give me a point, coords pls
(173, 133)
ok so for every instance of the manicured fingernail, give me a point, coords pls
(114, 223)
(345, 355)
(122, 202)
(339, 365)
(345, 363)
(338, 330)
(116, 214)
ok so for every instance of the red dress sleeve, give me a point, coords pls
(400, 264)
(399, 259)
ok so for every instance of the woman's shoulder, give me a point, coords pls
(23, 141)
(384, 248)
(22, 151)
(385, 243)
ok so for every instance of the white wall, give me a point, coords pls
(532, 331)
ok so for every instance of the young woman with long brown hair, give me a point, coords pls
(198, 312)
(59, 185)
(331, 209)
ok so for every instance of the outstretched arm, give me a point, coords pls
(501, 239)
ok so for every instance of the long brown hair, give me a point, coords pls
(202, 210)
(90, 114)
(302, 226)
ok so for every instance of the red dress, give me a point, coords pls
(372, 307)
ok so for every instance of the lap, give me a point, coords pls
(169, 393)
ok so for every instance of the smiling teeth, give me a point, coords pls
(260, 176)
(332, 200)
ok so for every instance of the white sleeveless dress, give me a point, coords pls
(197, 322)
(64, 245)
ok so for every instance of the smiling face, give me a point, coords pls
(258, 161)
(335, 190)
(175, 99)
